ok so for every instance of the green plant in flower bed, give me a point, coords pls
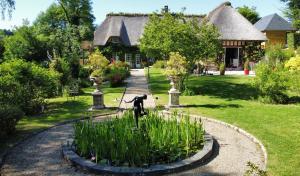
(158, 140)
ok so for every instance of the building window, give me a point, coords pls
(115, 40)
(128, 58)
(138, 58)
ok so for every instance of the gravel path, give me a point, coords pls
(136, 86)
(41, 154)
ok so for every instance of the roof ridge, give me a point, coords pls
(226, 3)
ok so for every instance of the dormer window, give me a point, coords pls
(115, 40)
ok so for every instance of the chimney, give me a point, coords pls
(166, 9)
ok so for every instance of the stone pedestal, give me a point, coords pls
(173, 95)
(174, 98)
(98, 97)
(98, 100)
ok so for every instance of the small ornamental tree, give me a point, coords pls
(98, 61)
(176, 67)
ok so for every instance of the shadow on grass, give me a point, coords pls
(213, 106)
(226, 87)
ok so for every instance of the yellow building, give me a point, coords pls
(275, 28)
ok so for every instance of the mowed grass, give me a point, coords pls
(62, 109)
(232, 99)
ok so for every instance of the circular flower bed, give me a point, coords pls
(158, 140)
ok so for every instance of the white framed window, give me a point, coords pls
(138, 58)
(128, 58)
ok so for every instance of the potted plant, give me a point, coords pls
(246, 67)
(97, 78)
(222, 69)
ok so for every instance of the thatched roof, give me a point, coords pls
(232, 25)
(273, 22)
(130, 27)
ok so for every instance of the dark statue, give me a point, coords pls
(138, 107)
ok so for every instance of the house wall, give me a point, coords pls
(276, 37)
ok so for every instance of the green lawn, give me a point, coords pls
(233, 100)
(62, 109)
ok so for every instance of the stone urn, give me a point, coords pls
(173, 93)
(98, 99)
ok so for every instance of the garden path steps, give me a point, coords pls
(136, 86)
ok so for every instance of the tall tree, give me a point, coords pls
(249, 13)
(78, 13)
(7, 6)
(24, 44)
(177, 33)
(292, 11)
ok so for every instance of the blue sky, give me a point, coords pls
(29, 9)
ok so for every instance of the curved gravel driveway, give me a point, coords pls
(41, 154)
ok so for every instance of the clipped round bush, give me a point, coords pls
(9, 117)
(117, 142)
(160, 64)
(271, 82)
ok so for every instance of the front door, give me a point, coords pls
(138, 61)
(231, 58)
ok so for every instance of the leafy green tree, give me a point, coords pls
(26, 84)
(25, 44)
(249, 13)
(208, 43)
(7, 6)
(292, 11)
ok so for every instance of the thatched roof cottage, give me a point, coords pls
(125, 31)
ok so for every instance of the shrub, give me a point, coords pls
(275, 54)
(288, 53)
(33, 82)
(188, 92)
(98, 61)
(9, 117)
(271, 82)
(246, 65)
(160, 64)
(157, 140)
(118, 72)
(176, 65)
(61, 66)
(222, 69)
(293, 64)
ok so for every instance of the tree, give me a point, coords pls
(249, 13)
(25, 44)
(209, 45)
(98, 61)
(7, 6)
(79, 13)
(292, 11)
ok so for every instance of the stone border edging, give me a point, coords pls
(7, 151)
(182, 165)
(239, 130)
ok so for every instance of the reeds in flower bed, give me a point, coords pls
(158, 140)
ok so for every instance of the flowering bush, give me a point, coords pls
(118, 72)
(176, 65)
(98, 61)
(293, 64)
